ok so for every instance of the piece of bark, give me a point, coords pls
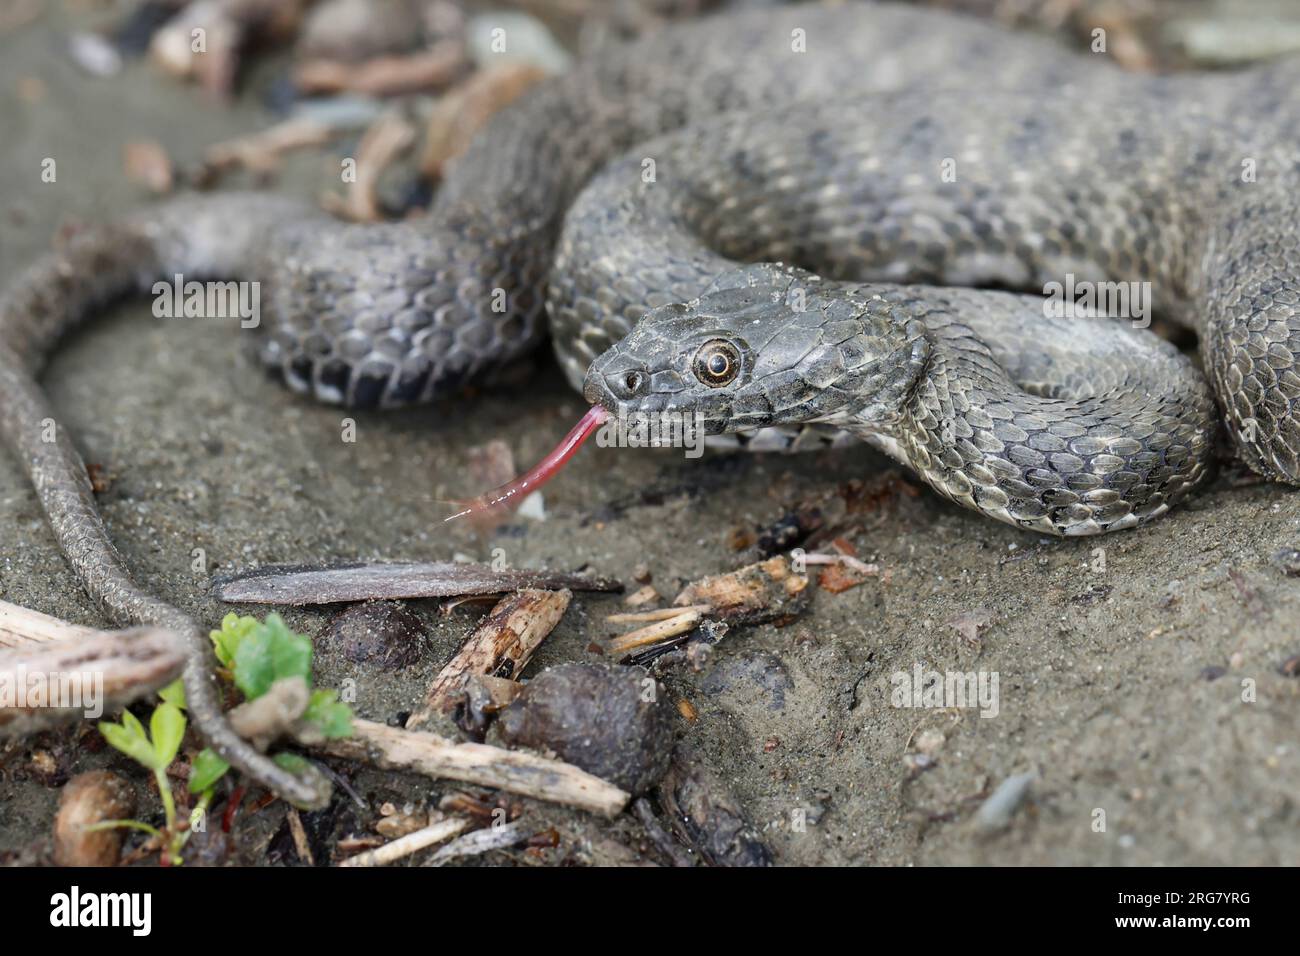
(298, 585)
(387, 138)
(112, 668)
(677, 854)
(21, 627)
(482, 698)
(430, 69)
(642, 596)
(147, 163)
(500, 646)
(753, 594)
(464, 110)
(706, 815)
(553, 780)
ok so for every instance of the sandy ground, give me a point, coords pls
(1138, 674)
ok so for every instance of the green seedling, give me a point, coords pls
(155, 750)
(256, 654)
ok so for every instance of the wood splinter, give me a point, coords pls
(514, 771)
(54, 672)
(500, 646)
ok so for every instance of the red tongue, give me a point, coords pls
(513, 492)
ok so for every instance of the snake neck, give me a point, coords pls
(1100, 428)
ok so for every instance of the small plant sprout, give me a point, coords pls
(155, 750)
(255, 654)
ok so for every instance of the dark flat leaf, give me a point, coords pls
(298, 585)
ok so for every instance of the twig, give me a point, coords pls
(403, 847)
(299, 834)
(640, 617)
(84, 676)
(388, 75)
(386, 139)
(261, 151)
(20, 627)
(654, 633)
(481, 841)
(511, 770)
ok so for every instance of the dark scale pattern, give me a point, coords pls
(1105, 195)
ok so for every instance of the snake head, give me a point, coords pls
(766, 345)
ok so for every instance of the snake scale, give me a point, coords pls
(828, 187)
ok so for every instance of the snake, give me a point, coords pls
(840, 218)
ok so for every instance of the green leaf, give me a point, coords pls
(167, 728)
(233, 631)
(174, 693)
(206, 770)
(132, 723)
(129, 738)
(269, 653)
(292, 762)
(333, 718)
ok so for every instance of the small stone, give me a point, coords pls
(996, 812)
(90, 798)
(383, 633)
(94, 54)
(928, 742)
(614, 722)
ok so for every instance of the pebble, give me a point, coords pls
(612, 721)
(384, 633)
(997, 811)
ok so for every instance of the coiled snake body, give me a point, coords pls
(762, 138)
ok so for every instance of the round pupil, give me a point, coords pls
(718, 364)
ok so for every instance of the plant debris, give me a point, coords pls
(500, 647)
(299, 585)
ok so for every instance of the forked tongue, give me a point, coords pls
(512, 493)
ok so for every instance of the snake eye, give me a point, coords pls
(717, 363)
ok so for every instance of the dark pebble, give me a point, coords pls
(383, 633)
(789, 531)
(601, 717)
